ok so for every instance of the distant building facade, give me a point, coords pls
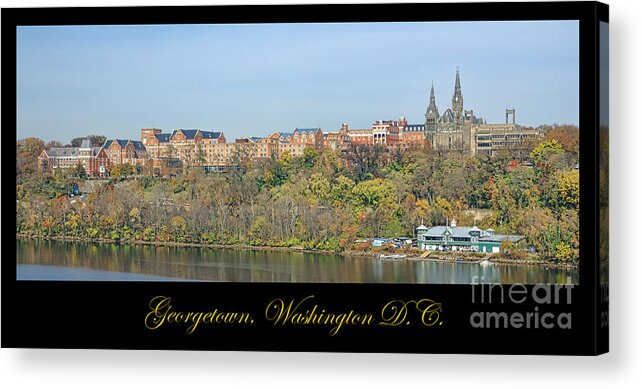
(298, 140)
(94, 160)
(194, 147)
(210, 149)
(386, 133)
(456, 129)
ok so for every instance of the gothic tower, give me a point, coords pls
(432, 113)
(458, 99)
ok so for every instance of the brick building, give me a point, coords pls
(94, 160)
(122, 151)
(337, 140)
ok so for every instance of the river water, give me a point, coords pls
(56, 260)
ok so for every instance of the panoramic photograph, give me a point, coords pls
(401, 153)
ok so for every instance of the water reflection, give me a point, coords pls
(271, 266)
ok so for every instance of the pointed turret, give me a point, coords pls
(458, 98)
(457, 81)
(432, 113)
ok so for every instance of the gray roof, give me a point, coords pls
(162, 138)
(453, 231)
(85, 144)
(448, 116)
(69, 151)
(121, 142)
(211, 134)
(191, 133)
(464, 232)
(63, 152)
(138, 145)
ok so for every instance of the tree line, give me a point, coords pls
(324, 199)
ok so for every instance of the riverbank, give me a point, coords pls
(410, 255)
(490, 260)
(200, 245)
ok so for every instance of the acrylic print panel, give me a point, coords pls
(406, 153)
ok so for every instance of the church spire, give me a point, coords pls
(432, 93)
(457, 81)
(432, 113)
(458, 98)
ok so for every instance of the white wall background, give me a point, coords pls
(621, 368)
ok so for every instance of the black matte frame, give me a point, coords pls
(110, 315)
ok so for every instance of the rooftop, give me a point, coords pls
(306, 130)
(465, 232)
(138, 145)
(190, 133)
(70, 151)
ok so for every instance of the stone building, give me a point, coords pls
(458, 129)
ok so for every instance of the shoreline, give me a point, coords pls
(363, 254)
(199, 245)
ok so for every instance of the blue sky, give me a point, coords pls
(253, 79)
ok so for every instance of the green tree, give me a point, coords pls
(78, 171)
(342, 190)
(309, 156)
(122, 171)
(319, 187)
(371, 193)
(544, 150)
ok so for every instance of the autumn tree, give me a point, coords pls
(363, 160)
(27, 151)
(568, 136)
(122, 171)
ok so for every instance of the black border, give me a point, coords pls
(40, 314)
